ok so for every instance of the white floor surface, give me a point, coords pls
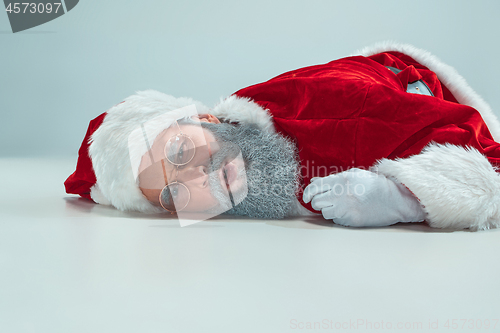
(68, 265)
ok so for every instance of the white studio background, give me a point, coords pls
(58, 76)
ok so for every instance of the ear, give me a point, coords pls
(207, 118)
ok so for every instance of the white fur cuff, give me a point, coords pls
(457, 186)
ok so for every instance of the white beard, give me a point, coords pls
(272, 170)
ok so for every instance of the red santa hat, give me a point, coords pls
(111, 151)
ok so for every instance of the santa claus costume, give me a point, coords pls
(394, 108)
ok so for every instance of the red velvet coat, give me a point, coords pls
(354, 111)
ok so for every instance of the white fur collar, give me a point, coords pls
(243, 110)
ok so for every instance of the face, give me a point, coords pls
(181, 142)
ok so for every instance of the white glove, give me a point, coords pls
(361, 198)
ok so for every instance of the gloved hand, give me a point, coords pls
(362, 198)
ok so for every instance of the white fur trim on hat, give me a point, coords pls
(457, 186)
(447, 75)
(113, 155)
(98, 197)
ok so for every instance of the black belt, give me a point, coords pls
(418, 87)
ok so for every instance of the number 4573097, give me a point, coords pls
(32, 8)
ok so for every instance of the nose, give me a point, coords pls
(196, 176)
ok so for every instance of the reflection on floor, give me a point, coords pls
(68, 265)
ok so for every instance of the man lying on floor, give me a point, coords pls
(391, 136)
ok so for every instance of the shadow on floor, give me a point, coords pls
(80, 206)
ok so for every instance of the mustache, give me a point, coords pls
(227, 152)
